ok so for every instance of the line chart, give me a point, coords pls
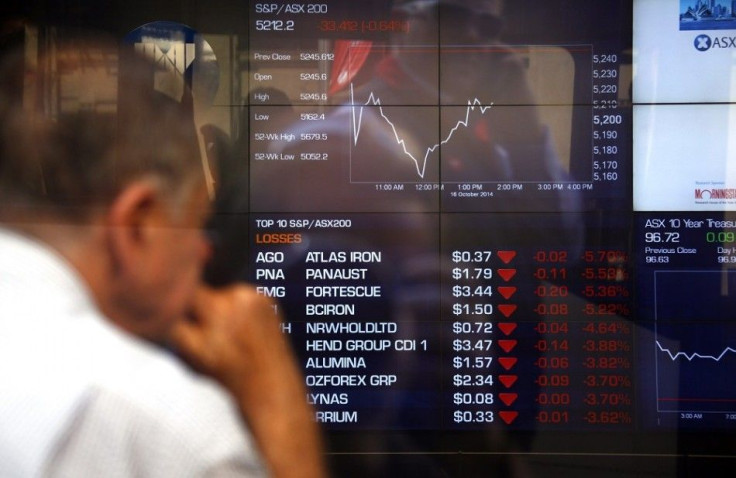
(420, 164)
(694, 382)
(694, 355)
(693, 343)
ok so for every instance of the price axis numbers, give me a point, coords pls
(607, 119)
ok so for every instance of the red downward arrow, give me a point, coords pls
(507, 309)
(507, 274)
(508, 380)
(507, 362)
(508, 398)
(508, 416)
(507, 327)
(507, 345)
(506, 291)
(506, 256)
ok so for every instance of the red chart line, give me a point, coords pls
(720, 400)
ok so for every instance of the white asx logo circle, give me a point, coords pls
(702, 42)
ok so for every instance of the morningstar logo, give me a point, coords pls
(704, 42)
(729, 193)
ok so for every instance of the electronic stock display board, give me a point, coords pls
(495, 229)
(509, 223)
(443, 210)
(516, 224)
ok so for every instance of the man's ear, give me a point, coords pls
(129, 220)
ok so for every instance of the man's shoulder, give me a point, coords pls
(151, 410)
(148, 403)
(76, 386)
(152, 380)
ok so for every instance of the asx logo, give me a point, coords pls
(704, 42)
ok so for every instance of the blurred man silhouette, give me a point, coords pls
(101, 253)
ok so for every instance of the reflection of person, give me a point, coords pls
(447, 102)
(101, 253)
(452, 55)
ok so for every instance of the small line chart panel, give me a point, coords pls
(695, 342)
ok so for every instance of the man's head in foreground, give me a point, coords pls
(105, 170)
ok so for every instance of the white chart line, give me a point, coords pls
(475, 103)
(694, 355)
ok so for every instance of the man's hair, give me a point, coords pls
(81, 120)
